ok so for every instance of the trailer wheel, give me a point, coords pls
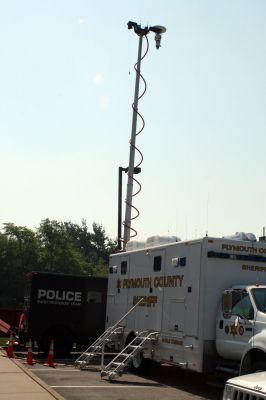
(63, 341)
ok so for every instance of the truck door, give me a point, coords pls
(149, 313)
(192, 287)
(117, 297)
(234, 329)
(181, 300)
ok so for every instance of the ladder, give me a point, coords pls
(124, 358)
(94, 349)
(106, 337)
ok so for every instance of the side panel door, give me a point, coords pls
(233, 333)
(192, 284)
(150, 272)
(181, 297)
(117, 298)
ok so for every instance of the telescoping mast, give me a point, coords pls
(142, 33)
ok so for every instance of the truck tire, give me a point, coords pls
(259, 365)
(139, 364)
(63, 341)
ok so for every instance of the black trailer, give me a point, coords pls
(66, 308)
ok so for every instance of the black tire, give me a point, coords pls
(259, 365)
(139, 364)
(63, 342)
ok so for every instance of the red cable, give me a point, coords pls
(136, 148)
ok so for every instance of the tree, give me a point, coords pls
(19, 249)
(53, 247)
(58, 251)
(96, 246)
(101, 242)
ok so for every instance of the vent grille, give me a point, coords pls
(245, 395)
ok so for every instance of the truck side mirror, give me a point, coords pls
(227, 304)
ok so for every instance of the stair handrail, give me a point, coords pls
(129, 311)
(102, 338)
(106, 371)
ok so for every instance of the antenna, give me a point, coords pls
(141, 32)
(207, 215)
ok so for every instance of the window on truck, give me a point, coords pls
(123, 267)
(157, 263)
(241, 304)
(259, 295)
(94, 297)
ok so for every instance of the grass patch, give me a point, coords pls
(3, 341)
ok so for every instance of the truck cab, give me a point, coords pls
(241, 327)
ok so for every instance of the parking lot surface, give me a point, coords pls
(161, 382)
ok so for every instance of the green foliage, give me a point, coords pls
(58, 252)
(19, 249)
(54, 247)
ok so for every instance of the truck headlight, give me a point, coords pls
(228, 391)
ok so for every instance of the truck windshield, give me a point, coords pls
(259, 295)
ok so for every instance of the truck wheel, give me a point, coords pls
(259, 365)
(139, 364)
(136, 362)
(63, 342)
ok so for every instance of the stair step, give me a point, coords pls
(123, 355)
(118, 364)
(97, 347)
(115, 367)
(107, 337)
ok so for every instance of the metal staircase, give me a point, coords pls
(125, 357)
(98, 346)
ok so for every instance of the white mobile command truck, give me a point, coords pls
(199, 304)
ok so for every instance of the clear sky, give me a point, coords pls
(66, 88)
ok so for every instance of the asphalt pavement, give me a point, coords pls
(18, 383)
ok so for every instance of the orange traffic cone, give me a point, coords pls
(9, 351)
(29, 359)
(50, 360)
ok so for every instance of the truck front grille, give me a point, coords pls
(240, 394)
